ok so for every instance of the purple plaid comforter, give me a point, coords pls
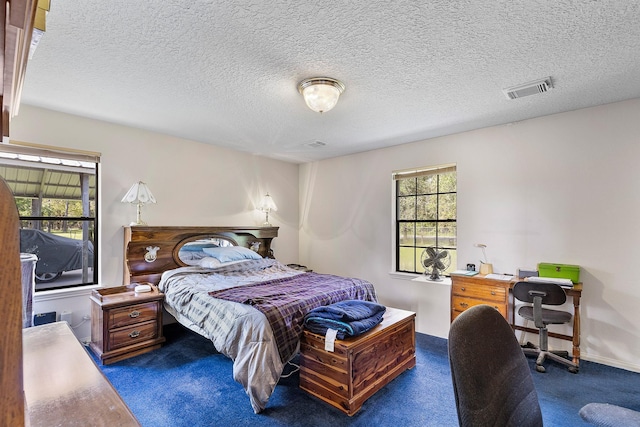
(286, 301)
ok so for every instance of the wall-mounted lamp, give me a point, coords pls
(321, 93)
(139, 194)
(267, 205)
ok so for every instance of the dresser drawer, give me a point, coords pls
(467, 292)
(129, 315)
(132, 334)
(486, 292)
(462, 303)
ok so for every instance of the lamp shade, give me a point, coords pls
(139, 193)
(321, 93)
(267, 204)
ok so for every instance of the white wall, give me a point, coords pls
(194, 183)
(562, 188)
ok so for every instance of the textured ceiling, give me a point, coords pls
(226, 72)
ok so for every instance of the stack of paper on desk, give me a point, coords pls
(565, 283)
(465, 272)
(496, 276)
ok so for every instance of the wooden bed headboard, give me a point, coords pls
(144, 263)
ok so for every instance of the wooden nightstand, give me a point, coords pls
(125, 323)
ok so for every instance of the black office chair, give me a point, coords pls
(491, 377)
(539, 294)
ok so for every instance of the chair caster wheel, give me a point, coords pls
(573, 370)
(540, 368)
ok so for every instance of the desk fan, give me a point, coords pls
(437, 260)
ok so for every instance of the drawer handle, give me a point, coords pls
(463, 289)
(464, 304)
(134, 334)
(493, 292)
(134, 314)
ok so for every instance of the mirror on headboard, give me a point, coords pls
(191, 251)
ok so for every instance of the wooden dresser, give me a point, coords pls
(125, 323)
(359, 366)
(62, 384)
(16, 27)
(475, 290)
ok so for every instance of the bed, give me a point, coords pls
(225, 284)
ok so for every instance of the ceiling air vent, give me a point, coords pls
(526, 89)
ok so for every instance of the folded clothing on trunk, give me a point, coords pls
(349, 318)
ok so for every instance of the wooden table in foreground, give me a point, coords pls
(359, 366)
(467, 291)
(62, 384)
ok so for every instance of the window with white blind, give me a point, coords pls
(56, 192)
(425, 215)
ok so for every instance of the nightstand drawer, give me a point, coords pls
(132, 314)
(132, 334)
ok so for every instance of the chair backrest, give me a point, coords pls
(550, 293)
(491, 377)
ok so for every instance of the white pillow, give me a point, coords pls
(209, 262)
(231, 253)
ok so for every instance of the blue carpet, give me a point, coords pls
(187, 383)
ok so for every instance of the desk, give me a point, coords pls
(475, 290)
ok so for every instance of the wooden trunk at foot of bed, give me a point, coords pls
(358, 366)
(144, 265)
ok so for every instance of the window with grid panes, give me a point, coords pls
(426, 206)
(56, 194)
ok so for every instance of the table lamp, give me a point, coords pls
(485, 266)
(139, 194)
(267, 205)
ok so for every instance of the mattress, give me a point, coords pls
(238, 330)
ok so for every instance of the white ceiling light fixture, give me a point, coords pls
(321, 93)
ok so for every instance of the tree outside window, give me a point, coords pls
(56, 197)
(426, 206)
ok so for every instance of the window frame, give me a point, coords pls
(27, 151)
(415, 173)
